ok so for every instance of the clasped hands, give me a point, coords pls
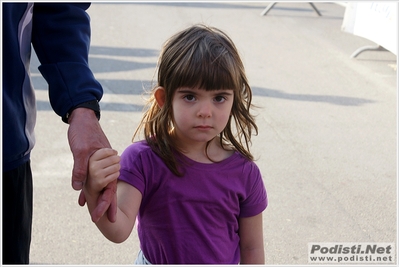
(103, 170)
(85, 138)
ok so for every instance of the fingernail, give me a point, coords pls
(77, 185)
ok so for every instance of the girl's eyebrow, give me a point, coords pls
(224, 92)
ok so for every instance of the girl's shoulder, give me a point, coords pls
(243, 162)
(136, 149)
(139, 155)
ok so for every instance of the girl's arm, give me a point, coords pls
(251, 240)
(104, 168)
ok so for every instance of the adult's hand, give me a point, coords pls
(85, 136)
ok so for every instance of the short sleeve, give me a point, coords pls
(131, 170)
(255, 200)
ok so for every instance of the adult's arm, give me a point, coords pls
(61, 39)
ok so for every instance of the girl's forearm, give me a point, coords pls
(252, 256)
(117, 231)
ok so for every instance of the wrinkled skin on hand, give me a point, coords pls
(85, 136)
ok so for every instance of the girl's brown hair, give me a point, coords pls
(199, 57)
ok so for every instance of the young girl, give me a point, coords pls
(192, 182)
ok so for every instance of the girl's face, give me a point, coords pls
(200, 115)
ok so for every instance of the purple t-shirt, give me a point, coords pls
(192, 219)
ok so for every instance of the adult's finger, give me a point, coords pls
(82, 198)
(106, 201)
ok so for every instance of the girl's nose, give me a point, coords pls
(205, 110)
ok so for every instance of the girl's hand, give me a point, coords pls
(103, 168)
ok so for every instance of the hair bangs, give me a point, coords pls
(208, 65)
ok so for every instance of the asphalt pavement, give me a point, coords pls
(327, 143)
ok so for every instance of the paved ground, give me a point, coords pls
(327, 146)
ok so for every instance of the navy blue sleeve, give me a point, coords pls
(61, 39)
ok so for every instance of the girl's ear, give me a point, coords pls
(160, 96)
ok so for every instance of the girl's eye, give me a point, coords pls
(189, 98)
(220, 99)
